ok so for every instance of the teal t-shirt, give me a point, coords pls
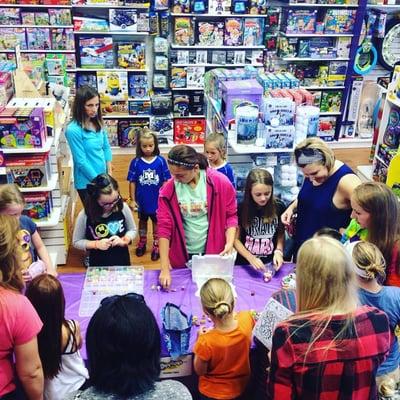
(193, 206)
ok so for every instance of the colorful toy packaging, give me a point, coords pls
(10, 16)
(113, 84)
(86, 24)
(195, 77)
(38, 205)
(339, 21)
(181, 104)
(131, 55)
(178, 77)
(331, 101)
(128, 131)
(253, 31)
(189, 131)
(181, 6)
(299, 21)
(22, 127)
(123, 20)
(183, 31)
(233, 32)
(111, 126)
(96, 52)
(138, 85)
(28, 171)
(210, 33)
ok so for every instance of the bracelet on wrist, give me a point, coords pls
(278, 251)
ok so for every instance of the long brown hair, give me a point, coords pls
(249, 207)
(146, 134)
(186, 157)
(10, 271)
(384, 210)
(47, 296)
(83, 95)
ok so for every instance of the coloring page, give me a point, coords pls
(272, 314)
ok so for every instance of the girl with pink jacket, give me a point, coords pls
(197, 211)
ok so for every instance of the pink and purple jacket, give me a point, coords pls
(222, 214)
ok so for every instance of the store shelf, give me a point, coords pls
(186, 88)
(48, 188)
(125, 116)
(217, 65)
(124, 33)
(138, 98)
(106, 69)
(322, 87)
(188, 116)
(39, 51)
(222, 15)
(199, 46)
(37, 26)
(350, 143)
(382, 161)
(164, 148)
(330, 113)
(107, 6)
(314, 59)
(309, 5)
(36, 5)
(24, 150)
(385, 7)
(364, 172)
(52, 221)
(317, 34)
(253, 149)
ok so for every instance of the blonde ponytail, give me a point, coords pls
(217, 298)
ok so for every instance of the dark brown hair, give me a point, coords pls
(146, 134)
(83, 95)
(47, 296)
(249, 207)
(102, 184)
(186, 157)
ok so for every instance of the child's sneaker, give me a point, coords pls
(141, 247)
(155, 252)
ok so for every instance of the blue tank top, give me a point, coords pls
(315, 208)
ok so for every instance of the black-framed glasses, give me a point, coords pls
(110, 203)
(133, 296)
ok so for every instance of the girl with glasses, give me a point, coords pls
(88, 139)
(105, 226)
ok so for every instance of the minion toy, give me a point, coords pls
(113, 85)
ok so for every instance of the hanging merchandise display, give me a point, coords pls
(387, 54)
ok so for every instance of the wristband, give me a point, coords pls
(278, 251)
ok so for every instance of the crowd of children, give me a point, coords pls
(339, 343)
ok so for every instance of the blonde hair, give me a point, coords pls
(325, 279)
(320, 146)
(10, 271)
(369, 258)
(381, 203)
(219, 142)
(10, 194)
(217, 298)
(146, 133)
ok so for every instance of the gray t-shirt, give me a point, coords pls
(165, 390)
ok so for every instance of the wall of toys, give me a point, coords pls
(148, 59)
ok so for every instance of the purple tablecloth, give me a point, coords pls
(252, 293)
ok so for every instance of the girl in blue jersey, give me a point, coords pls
(216, 155)
(147, 173)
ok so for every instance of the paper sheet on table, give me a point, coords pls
(273, 313)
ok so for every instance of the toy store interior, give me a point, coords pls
(220, 179)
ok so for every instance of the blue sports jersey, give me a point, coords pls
(149, 176)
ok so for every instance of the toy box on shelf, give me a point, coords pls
(38, 205)
(129, 129)
(189, 131)
(22, 128)
(28, 171)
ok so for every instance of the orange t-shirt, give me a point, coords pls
(227, 354)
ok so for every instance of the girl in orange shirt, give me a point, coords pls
(222, 353)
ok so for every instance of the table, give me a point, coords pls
(252, 293)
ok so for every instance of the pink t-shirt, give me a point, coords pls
(19, 324)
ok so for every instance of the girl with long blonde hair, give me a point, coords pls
(330, 346)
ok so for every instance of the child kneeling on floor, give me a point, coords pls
(222, 353)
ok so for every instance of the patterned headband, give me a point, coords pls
(181, 163)
(309, 156)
